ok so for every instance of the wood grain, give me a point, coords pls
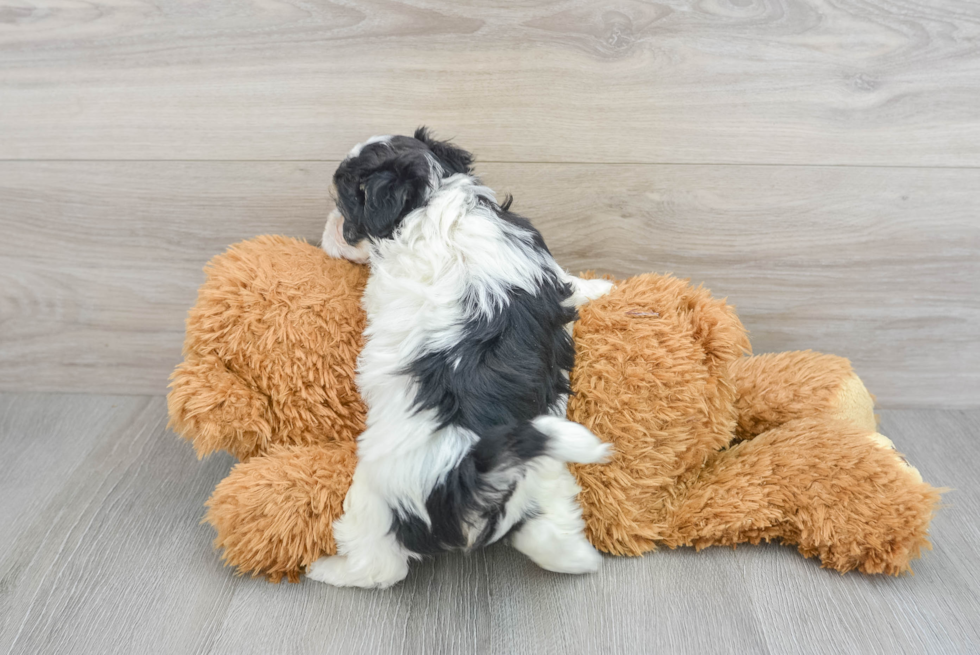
(100, 260)
(883, 82)
(879, 265)
(105, 553)
(101, 552)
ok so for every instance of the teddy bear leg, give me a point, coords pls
(775, 388)
(836, 490)
(554, 538)
(274, 513)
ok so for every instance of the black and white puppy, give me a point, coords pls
(464, 370)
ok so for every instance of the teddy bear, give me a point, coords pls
(713, 446)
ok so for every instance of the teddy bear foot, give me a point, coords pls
(884, 443)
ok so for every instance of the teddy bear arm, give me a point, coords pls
(215, 410)
(270, 351)
(835, 490)
(774, 388)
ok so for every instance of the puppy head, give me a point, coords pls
(381, 181)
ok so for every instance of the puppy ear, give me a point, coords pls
(387, 198)
(453, 159)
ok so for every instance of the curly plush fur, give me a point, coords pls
(270, 351)
(713, 447)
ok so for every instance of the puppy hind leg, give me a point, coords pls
(369, 555)
(554, 536)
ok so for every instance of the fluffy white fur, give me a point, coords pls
(414, 302)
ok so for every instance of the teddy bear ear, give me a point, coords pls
(716, 325)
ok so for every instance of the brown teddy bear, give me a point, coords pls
(712, 446)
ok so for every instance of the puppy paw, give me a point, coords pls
(337, 571)
(603, 454)
(560, 553)
(578, 560)
(332, 570)
(593, 289)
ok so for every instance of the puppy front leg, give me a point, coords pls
(369, 555)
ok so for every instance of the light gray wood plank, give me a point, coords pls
(444, 606)
(101, 260)
(31, 434)
(105, 553)
(888, 82)
(101, 552)
(674, 602)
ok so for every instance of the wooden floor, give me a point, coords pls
(102, 552)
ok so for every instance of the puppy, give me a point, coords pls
(464, 370)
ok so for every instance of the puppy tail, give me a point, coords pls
(572, 442)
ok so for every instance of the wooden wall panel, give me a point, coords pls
(888, 82)
(99, 261)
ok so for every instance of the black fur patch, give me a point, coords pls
(453, 159)
(376, 189)
(503, 211)
(466, 497)
(388, 179)
(505, 371)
